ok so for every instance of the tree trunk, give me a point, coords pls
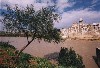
(24, 48)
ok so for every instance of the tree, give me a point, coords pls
(38, 24)
(68, 57)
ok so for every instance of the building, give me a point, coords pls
(82, 30)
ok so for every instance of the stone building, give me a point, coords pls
(82, 30)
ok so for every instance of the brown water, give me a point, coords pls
(85, 48)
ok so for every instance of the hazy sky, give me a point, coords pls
(70, 10)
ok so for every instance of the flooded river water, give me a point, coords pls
(87, 49)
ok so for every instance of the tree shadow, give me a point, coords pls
(96, 60)
(52, 56)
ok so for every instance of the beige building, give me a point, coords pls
(82, 30)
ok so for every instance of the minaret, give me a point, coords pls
(81, 20)
(80, 25)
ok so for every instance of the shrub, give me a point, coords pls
(5, 45)
(8, 59)
(68, 57)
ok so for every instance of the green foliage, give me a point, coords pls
(8, 59)
(36, 24)
(39, 24)
(65, 67)
(6, 45)
(6, 55)
(42, 63)
(68, 57)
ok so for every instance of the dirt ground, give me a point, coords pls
(87, 49)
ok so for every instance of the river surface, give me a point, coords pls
(87, 49)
